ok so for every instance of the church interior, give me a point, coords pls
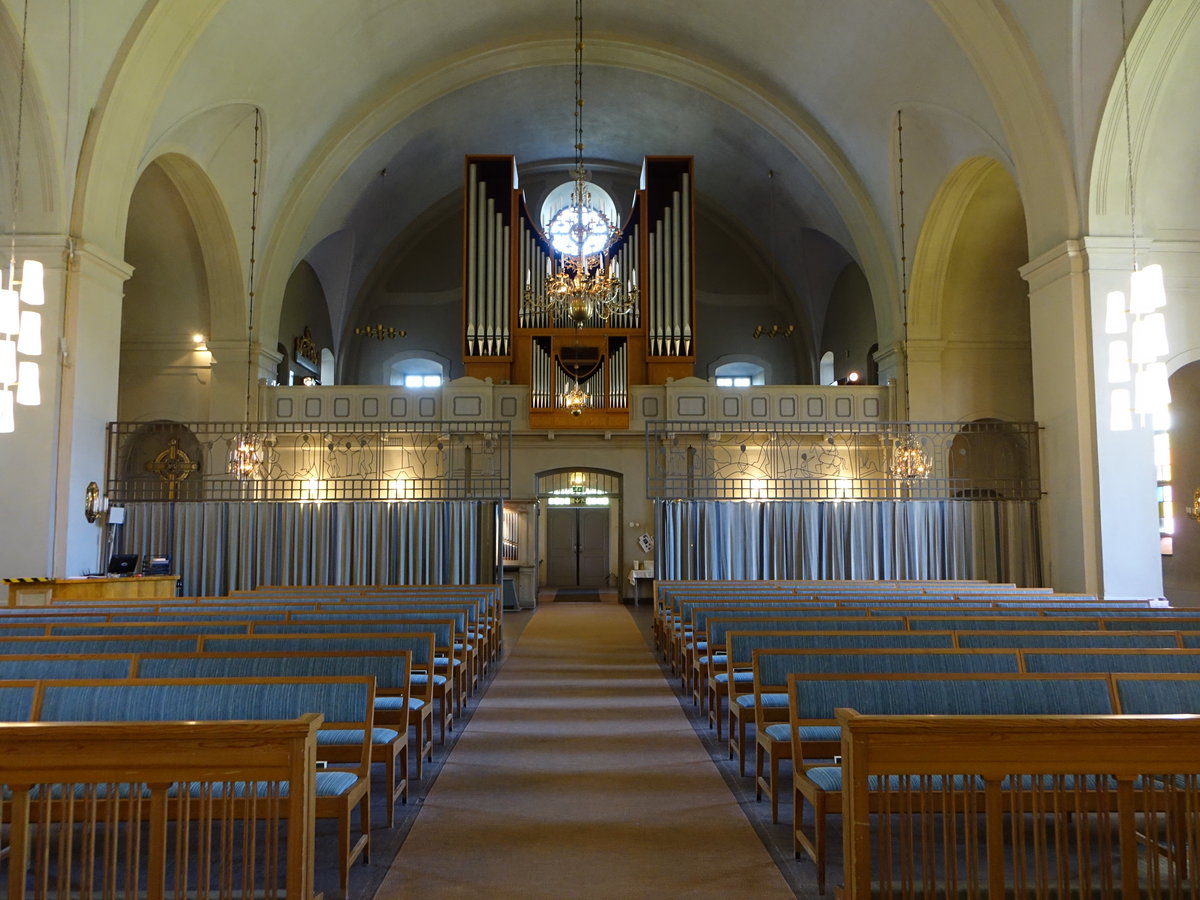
(497, 302)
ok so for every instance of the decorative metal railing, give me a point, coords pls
(309, 461)
(840, 460)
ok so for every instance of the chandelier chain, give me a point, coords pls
(909, 459)
(1128, 138)
(579, 85)
(250, 275)
(903, 252)
(16, 185)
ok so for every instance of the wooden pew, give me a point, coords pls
(961, 785)
(813, 701)
(347, 703)
(42, 764)
(390, 669)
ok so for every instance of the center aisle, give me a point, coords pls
(579, 776)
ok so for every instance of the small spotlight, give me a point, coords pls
(852, 378)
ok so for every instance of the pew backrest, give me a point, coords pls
(1096, 639)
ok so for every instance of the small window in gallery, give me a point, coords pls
(417, 381)
(417, 372)
(739, 374)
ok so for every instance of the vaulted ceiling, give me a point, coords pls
(355, 89)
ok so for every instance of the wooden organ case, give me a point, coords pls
(503, 248)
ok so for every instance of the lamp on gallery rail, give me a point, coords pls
(246, 450)
(909, 459)
(581, 281)
(20, 326)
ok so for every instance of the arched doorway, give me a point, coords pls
(580, 510)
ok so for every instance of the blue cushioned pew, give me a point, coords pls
(346, 703)
(771, 669)
(390, 669)
(417, 710)
(814, 699)
(781, 634)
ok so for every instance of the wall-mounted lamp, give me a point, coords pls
(773, 330)
(381, 332)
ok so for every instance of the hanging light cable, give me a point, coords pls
(582, 284)
(21, 328)
(909, 459)
(1137, 352)
(246, 447)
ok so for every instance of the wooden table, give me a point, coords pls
(636, 577)
(43, 592)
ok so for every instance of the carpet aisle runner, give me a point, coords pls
(579, 776)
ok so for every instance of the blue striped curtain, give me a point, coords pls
(996, 540)
(219, 547)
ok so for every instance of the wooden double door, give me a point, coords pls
(577, 546)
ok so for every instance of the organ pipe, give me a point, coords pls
(472, 256)
(685, 260)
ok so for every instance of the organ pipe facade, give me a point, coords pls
(504, 252)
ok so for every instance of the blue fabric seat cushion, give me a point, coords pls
(393, 703)
(829, 778)
(782, 731)
(773, 701)
(329, 783)
(738, 678)
(339, 737)
(424, 679)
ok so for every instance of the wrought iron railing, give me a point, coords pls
(840, 461)
(310, 461)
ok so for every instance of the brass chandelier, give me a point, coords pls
(583, 284)
(575, 399)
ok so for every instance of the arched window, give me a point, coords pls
(328, 366)
(562, 215)
(827, 375)
(739, 374)
(417, 372)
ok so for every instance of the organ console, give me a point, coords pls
(505, 253)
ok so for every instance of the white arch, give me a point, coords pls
(1000, 53)
(394, 101)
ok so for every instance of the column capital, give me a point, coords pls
(1063, 261)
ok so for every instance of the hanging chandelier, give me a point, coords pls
(909, 459)
(20, 328)
(246, 449)
(581, 282)
(574, 399)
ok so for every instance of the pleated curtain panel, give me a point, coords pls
(997, 540)
(219, 547)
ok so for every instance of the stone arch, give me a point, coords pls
(225, 283)
(999, 51)
(124, 111)
(41, 201)
(175, 238)
(795, 127)
(968, 318)
(1161, 56)
(992, 457)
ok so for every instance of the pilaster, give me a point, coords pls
(1064, 405)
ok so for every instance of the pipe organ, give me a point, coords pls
(506, 254)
